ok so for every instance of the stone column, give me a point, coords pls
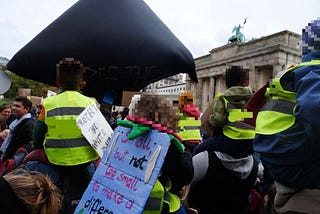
(277, 68)
(252, 77)
(211, 88)
(198, 93)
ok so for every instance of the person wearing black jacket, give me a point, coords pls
(225, 170)
(21, 129)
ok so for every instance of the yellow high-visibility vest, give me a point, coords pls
(64, 143)
(278, 114)
(160, 195)
(235, 128)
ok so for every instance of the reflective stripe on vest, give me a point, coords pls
(153, 204)
(64, 143)
(278, 114)
(238, 130)
(276, 91)
(173, 201)
(65, 111)
(189, 121)
(312, 62)
(189, 128)
(188, 135)
(275, 116)
(155, 200)
(235, 132)
(160, 195)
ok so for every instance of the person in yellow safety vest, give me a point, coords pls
(229, 113)
(69, 155)
(234, 76)
(224, 166)
(177, 170)
(189, 120)
(64, 144)
(287, 130)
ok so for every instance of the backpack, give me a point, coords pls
(236, 95)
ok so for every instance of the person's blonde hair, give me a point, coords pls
(35, 190)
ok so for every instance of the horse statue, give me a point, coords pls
(238, 37)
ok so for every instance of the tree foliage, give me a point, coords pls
(37, 89)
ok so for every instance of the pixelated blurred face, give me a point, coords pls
(185, 98)
(6, 113)
(237, 76)
(19, 110)
(311, 37)
(70, 74)
(157, 109)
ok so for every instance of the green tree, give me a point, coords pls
(37, 88)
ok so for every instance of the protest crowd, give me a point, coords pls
(158, 159)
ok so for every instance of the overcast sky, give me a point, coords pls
(200, 25)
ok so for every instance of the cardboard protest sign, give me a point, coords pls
(24, 92)
(126, 174)
(95, 128)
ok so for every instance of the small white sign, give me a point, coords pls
(51, 93)
(95, 128)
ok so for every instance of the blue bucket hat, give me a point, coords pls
(311, 37)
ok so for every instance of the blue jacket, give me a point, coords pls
(292, 156)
